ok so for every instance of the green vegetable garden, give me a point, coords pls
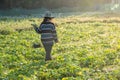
(88, 49)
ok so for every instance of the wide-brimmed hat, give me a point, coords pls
(48, 14)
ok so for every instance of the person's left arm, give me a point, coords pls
(55, 33)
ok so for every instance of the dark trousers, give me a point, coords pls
(48, 48)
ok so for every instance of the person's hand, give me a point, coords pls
(34, 25)
(56, 41)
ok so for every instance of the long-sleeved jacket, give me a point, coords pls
(48, 32)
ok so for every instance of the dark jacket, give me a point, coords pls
(48, 32)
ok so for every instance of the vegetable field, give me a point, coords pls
(88, 49)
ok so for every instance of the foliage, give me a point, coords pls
(88, 50)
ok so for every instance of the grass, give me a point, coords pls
(88, 49)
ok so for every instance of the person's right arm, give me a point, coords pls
(36, 28)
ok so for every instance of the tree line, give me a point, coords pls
(51, 4)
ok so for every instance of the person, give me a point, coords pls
(48, 33)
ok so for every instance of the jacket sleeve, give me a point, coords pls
(55, 34)
(36, 29)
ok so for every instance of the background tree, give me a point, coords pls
(29, 4)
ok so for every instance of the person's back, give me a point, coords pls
(48, 34)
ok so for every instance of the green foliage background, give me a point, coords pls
(88, 49)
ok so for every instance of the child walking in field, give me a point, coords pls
(48, 34)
